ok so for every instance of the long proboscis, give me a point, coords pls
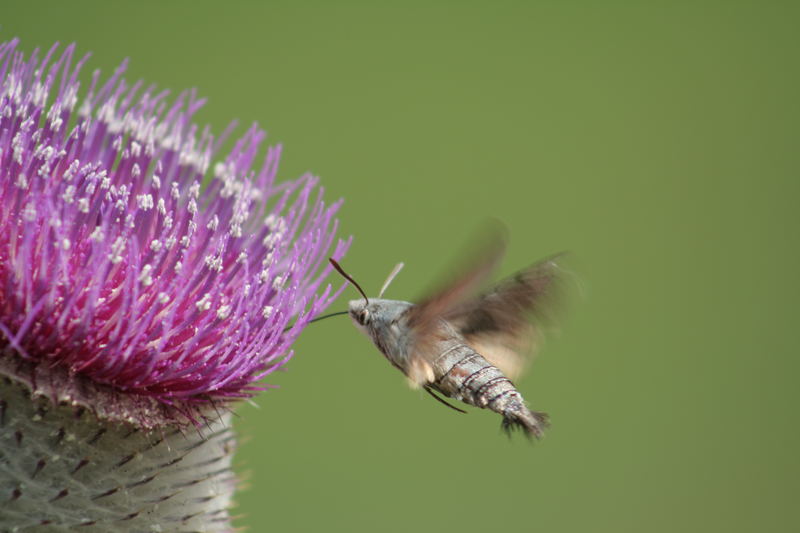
(348, 278)
(323, 317)
(337, 313)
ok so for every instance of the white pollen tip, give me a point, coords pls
(213, 224)
(97, 234)
(145, 277)
(116, 250)
(145, 201)
(204, 303)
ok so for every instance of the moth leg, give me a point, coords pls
(439, 399)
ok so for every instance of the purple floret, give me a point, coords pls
(132, 268)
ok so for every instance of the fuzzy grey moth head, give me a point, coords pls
(376, 315)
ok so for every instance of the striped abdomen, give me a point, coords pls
(463, 374)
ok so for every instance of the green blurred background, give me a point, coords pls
(657, 142)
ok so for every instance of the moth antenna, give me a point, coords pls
(396, 270)
(348, 278)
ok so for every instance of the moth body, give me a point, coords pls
(450, 366)
(464, 345)
(464, 374)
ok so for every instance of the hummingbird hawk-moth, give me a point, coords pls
(466, 346)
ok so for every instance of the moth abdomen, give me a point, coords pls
(464, 374)
(471, 378)
(504, 398)
(533, 423)
(457, 367)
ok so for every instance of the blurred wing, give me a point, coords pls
(504, 324)
(460, 289)
(424, 319)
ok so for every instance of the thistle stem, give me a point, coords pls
(63, 468)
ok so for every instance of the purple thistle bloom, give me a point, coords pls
(119, 272)
(134, 300)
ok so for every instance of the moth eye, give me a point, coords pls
(363, 317)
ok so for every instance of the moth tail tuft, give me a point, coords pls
(533, 423)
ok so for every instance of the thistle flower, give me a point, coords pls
(135, 302)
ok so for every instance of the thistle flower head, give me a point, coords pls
(141, 274)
